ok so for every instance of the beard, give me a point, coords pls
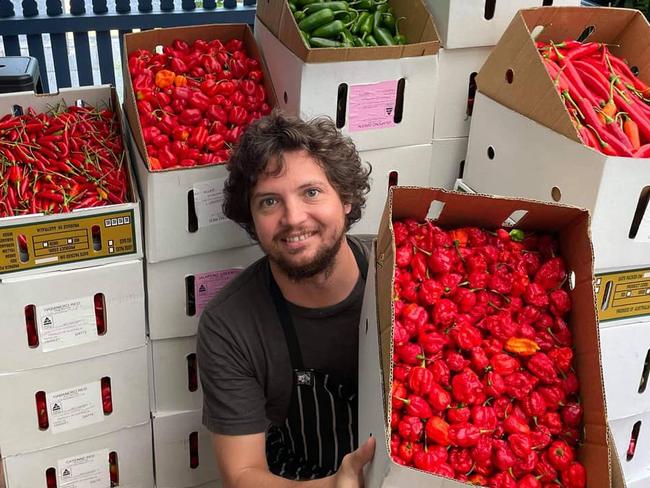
(322, 262)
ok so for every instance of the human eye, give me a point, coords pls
(312, 192)
(267, 202)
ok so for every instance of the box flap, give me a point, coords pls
(418, 26)
(515, 76)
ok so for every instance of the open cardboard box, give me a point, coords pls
(70, 240)
(451, 210)
(161, 37)
(515, 76)
(418, 27)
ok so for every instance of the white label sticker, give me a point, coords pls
(75, 407)
(208, 198)
(67, 324)
(207, 285)
(90, 470)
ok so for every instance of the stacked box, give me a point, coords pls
(383, 97)
(73, 374)
(522, 143)
(451, 210)
(192, 250)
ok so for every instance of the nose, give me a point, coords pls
(294, 213)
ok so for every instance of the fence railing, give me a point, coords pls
(85, 30)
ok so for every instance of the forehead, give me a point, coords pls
(296, 169)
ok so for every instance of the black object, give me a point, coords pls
(19, 73)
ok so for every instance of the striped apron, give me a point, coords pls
(321, 423)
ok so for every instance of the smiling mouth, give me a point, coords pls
(298, 238)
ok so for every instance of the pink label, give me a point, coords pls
(372, 106)
(207, 285)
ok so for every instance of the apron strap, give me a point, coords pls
(285, 317)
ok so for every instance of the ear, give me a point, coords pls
(347, 208)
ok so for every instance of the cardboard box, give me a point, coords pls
(154, 38)
(178, 290)
(67, 240)
(448, 162)
(131, 445)
(175, 376)
(365, 98)
(418, 27)
(626, 360)
(633, 457)
(456, 90)
(472, 23)
(514, 70)
(73, 401)
(182, 207)
(375, 335)
(174, 225)
(546, 165)
(408, 165)
(173, 450)
(65, 315)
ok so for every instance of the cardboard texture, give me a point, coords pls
(633, 460)
(168, 312)
(310, 89)
(410, 165)
(132, 446)
(623, 296)
(470, 23)
(618, 478)
(448, 162)
(457, 67)
(65, 241)
(150, 39)
(19, 431)
(122, 285)
(542, 164)
(172, 451)
(172, 367)
(418, 27)
(167, 212)
(516, 51)
(625, 350)
(375, 342)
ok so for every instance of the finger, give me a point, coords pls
(363, 455)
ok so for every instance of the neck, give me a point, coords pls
(324, 289)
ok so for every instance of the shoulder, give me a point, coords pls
(363, 241)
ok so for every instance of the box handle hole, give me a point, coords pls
(192, 218)
(644, 375)
(96, 234)
(490, 7)
(107, 395)
(589, 30)
(547, 3)
(556, 194)
(50, 477)
(194, 450)
(30, 325)
(435, 209)
(392, 179)
(114, 468)
(631, 447)
(23, 248)
(641, 207)
(634, 70)
(572, 280)
(192, 375)
(510, 76)
(471, 93)
(41, 410)
(514, 218)
(285, 97)
(399, 101)
(100, 313)
(537, 30)
(607, 295)
(190, 298)
(490, 153)
(341, 105)
(17, 110)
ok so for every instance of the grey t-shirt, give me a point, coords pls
(243, 357)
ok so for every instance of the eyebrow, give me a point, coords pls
(257, 196)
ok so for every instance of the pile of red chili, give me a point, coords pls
(484, 388)
(607, 102)
(194, 101)
(59, 161)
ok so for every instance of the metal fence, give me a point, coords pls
(84, 38)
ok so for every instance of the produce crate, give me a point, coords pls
(84, 237)
(55, 318)
(475, 23)
(380, 102)
(74, 403)
(123, 457)
(183, 451)
(452, 210)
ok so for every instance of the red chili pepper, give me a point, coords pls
(437, 430)
(574, 476)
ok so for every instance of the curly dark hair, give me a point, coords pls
(267, 139)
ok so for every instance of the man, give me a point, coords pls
(277, 347)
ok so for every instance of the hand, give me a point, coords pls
(350, 474)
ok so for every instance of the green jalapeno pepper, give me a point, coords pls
(302, 3)
(321, 42)
(370, 40)
(359, 42)
(335, 6)
(305, 37)
(315, 20)
(383, 36)
(329, 31)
